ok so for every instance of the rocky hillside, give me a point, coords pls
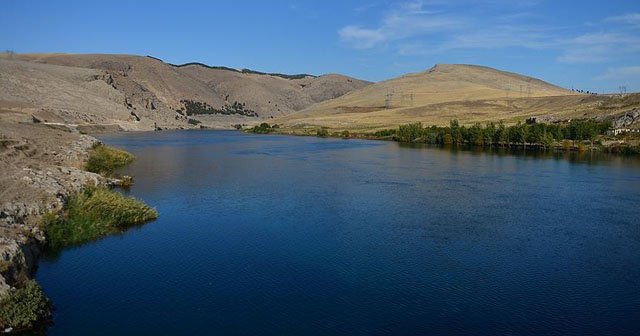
(138, 93)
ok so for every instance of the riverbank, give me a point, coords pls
(576, 136)
(43, 168)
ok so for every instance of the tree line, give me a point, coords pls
(499, 134)
(195, 107)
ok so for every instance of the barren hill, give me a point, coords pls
(466, 92)
(136, 92)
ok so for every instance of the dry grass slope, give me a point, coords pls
(465, 92)
(138, 93)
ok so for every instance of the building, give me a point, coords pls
(618, 131)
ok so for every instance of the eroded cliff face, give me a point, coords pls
(41, 168)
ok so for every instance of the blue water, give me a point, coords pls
(275, 235)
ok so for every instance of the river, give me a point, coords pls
(279, 235)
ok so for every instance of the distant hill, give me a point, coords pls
(138, 92)
(469, 93)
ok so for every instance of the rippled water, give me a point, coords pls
(274, 235)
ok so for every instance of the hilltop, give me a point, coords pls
(469, 93)
(138, 92)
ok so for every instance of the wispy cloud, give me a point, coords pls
(405, 21)
(427, 28)
(598, 47)
(629, 19)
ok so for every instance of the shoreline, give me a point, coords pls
(45, 168)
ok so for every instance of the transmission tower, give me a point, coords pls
(623, 89)
(387, 100)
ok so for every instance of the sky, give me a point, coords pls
(588, 45)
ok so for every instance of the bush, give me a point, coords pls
(582, 147)
(92, 214)
(322, 132)
(385, 132)
(345, 134)
(263, 128)
(21, 308)
(410, 132)
(104, 160)
(192, 121)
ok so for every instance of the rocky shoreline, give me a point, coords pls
(41, 168)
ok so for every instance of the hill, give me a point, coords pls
(137, 92)
(468, 93)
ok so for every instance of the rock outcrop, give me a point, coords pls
(41, 169)
(627, 119)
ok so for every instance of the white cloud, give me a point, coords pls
(426, 27)
(362, 38)
(405, 21)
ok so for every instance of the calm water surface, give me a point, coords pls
(274, 235)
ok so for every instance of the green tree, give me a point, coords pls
(456, 134)
(410, 132)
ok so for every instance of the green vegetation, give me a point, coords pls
(194, 108)
(205, 66)
(322, 132)
(21, 308)
(533, 134)
(263, 128)
(91, 214)
(385, 133)
(275, 74)
(105, 159)
(345, 134)
(4, 266)
(192, 121)
(245, 71)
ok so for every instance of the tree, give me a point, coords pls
(410, 132)
(476, 136)
(546, 140)
(456, 134)
(501, 134)
(489, 133)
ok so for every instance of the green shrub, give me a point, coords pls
(105, 159)
(21, 308)
(263, 128)
(322, 132)
(410, 132)
(385, 132)
(5, 265)
(92, 214)
(345, 134)
(192, 121)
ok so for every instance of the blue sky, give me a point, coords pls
(591, 45)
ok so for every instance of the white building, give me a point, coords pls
(617, 131)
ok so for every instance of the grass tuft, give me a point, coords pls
(104, 160)
(92, 214)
